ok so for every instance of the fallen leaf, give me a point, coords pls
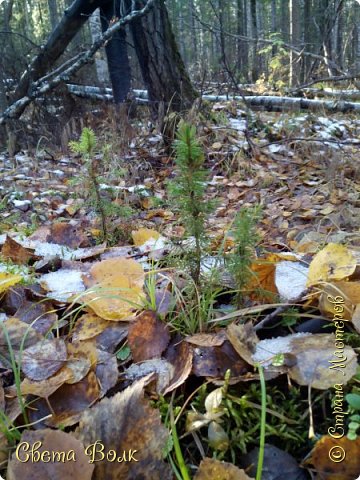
(275, 461)
(316, 364)
(107, 371)
(67, 403)
(148, 337)
(244, 340)
(111, 337)
(40, 314)
(162, 368)
(137, 429)
(215, 361)
(47, 387)
(89, 326)
(180, 355)
(262, 284)
(69, 453)
(43, 359)
(64, 233)
(207, 339)
(336, 290)
(326, 458)
(19, 334)
(117, 288)
(211, 469)
(17, 253)
(7, 280)
(142, 235)
(332, 263)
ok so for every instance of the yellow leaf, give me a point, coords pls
(334, 262)
(327, 210)
(116, 288)
(262, 283)
(7, 280)
(142, 235)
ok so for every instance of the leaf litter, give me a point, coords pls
(96, 305)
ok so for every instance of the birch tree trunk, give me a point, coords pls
(294, 10)
(102, 72)
(53, 13)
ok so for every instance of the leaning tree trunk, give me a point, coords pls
(75, 16)
(161, 65)
(162, 68)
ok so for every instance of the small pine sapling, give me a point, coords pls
(188, 191)
(86, 147)
(246, 238)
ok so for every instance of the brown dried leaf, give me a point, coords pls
(148, 337)
(207, 339)
(244, 339)
(106, 371)
(16, 331)
(43, 359)
(163, 369)
(111, 337)
(74, 465)
(211, 469)
(180, 355)
(17, 253)
(138, 429)
(66, 234)
(215, 361)
(264, 279)
(47, 387)
(326, 458)
(67, 403)
(42, 312)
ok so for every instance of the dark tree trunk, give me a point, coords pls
(116, 53)
(161, 65)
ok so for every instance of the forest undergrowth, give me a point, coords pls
(191, 290)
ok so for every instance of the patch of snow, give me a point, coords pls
(238, 124)
(267, 349)
(153, 244)
(290, 279)
(21, 203)
(62, 284)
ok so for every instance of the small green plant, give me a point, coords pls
(353, 399)
(195, 307)
(188, 192)
(246, 238)
(86, 147)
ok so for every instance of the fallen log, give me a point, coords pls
(269, 103)
(318, 93)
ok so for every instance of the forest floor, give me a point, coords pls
(74, 356)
